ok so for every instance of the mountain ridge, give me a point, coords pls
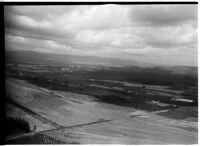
(47, 58)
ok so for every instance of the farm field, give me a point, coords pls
(99, 111)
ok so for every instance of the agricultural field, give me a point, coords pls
(77, 104)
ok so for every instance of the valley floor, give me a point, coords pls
(77, 118)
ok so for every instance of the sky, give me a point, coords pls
(157, 34)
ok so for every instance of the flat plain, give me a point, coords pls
(82, 110)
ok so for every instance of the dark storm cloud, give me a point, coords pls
(163, 15)
(23, 25)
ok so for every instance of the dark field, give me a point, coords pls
(75, 104)
(149, 89)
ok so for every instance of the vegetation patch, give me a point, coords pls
(35, 139)
(18, 124)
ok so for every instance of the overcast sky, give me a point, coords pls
(165, 34)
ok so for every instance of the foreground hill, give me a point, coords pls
(68, 117)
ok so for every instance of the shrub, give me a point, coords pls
(18, 123)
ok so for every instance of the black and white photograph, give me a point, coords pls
(101, 73)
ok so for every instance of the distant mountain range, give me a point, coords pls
(65, 59)
(48, 58)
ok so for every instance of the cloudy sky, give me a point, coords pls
(165, 34)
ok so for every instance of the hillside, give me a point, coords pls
(47, 58)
